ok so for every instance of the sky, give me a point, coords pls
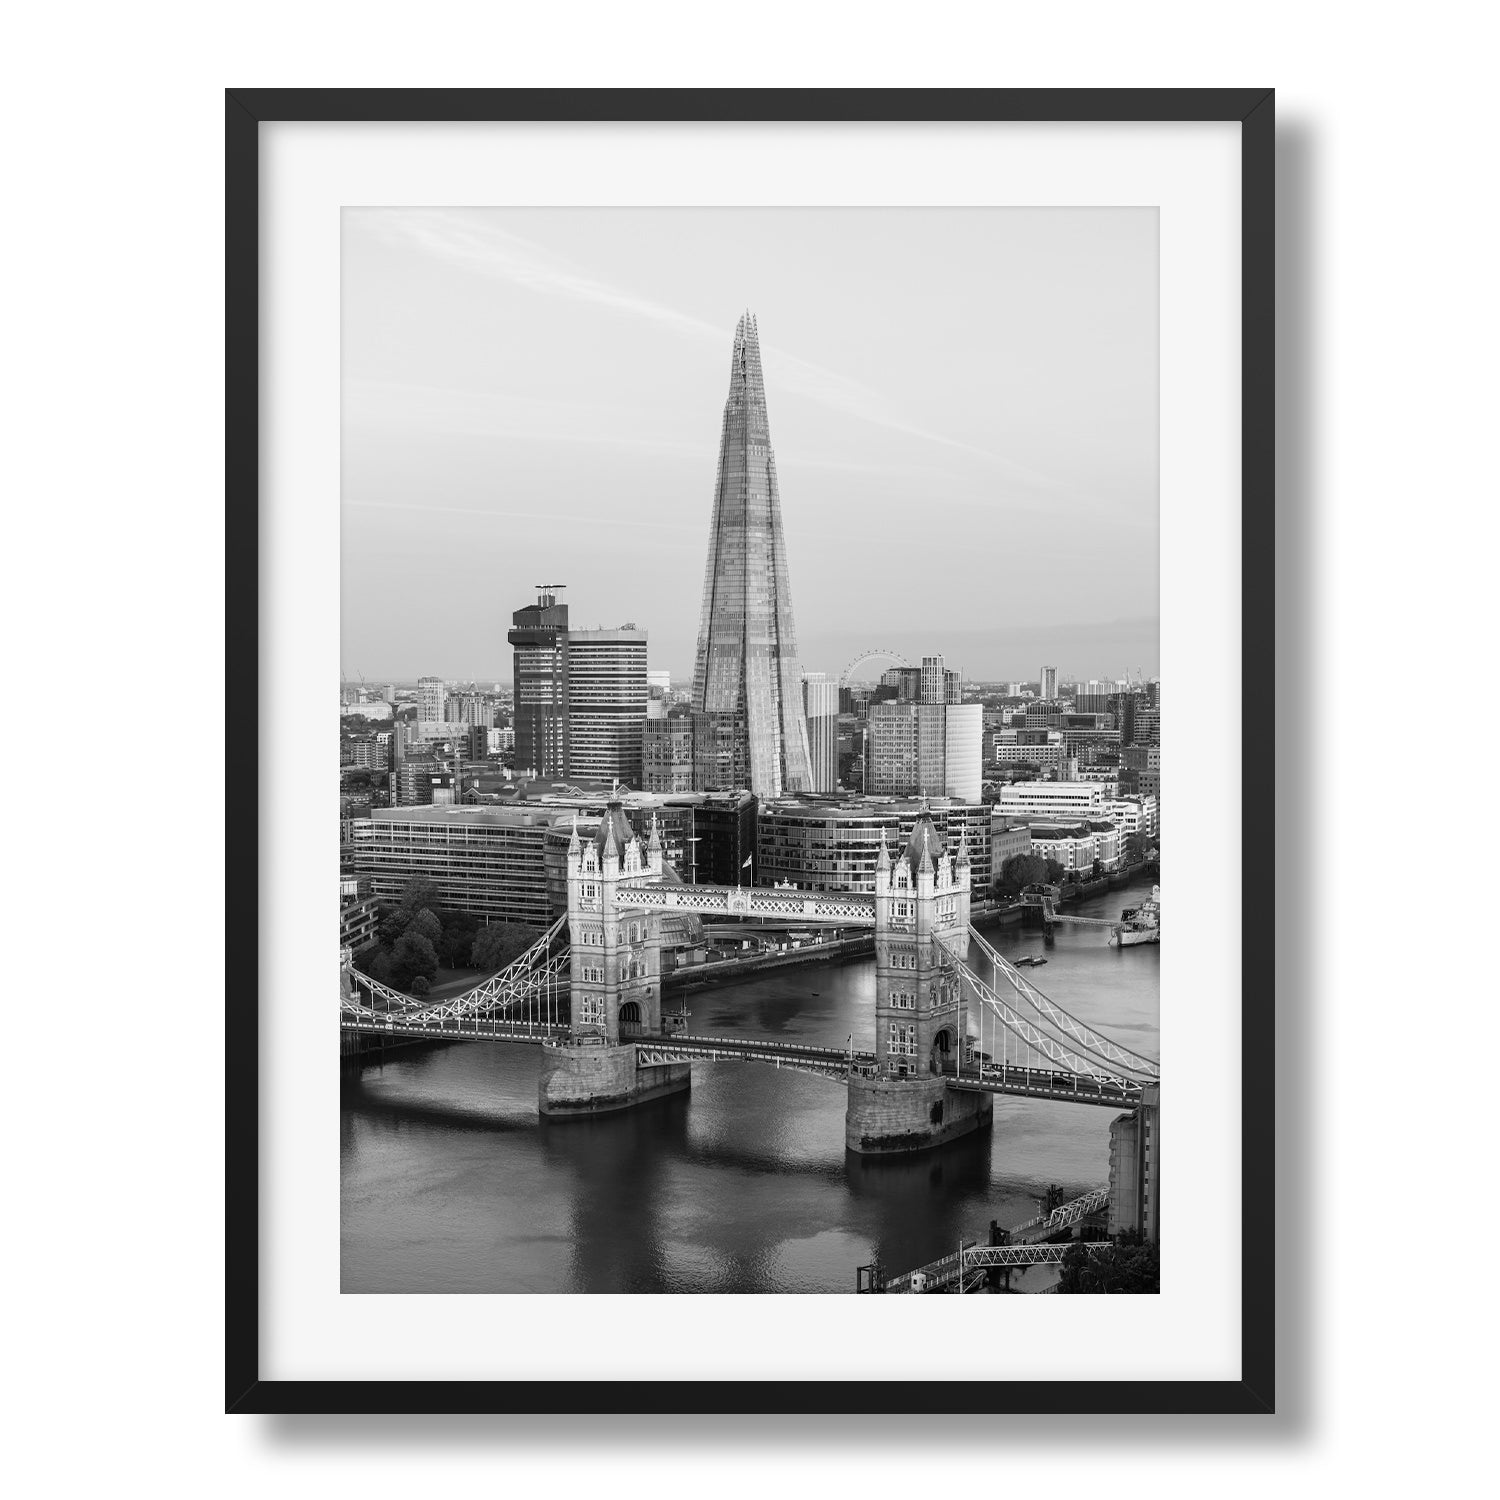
(963, 409)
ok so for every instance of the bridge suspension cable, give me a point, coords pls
(531, 978)
(1065, 1024)
(1057, 1053)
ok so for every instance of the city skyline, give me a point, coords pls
(516, 407)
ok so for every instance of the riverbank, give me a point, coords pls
(696, 976)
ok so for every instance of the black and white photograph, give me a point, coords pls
(750, 752)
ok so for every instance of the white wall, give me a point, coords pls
(1386, 346)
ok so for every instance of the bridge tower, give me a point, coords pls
(614, 979)
(921, 929)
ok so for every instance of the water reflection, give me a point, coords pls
(453, 1183)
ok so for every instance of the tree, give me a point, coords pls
(460, 928)
(1021, 870)
(419, 985)
(420, 894)
(1098, 867)
(499, 944)
(1053, 872)
(1129, 1265)
(412, 955)
(426, 924)
(1135, 847)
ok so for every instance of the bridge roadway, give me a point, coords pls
(829, 1062)
(833, 908)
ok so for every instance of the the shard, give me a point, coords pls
(748, 724)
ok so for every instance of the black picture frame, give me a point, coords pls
(1254, 110)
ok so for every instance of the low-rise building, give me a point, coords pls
(832, 844)
(1075, 846)
(1070, 800)
(484, 860)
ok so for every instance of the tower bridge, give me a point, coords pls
(589, 993)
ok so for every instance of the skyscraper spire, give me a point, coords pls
(748, 725)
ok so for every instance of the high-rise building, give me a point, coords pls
(668, 753)
(748, 726)
(432, 698)
(933, 746)
(820, 701)
(1049, 682)
(606, 693)
(540, 638)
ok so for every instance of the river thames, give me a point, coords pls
(451, 1182)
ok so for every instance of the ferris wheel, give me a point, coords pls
(878, 654)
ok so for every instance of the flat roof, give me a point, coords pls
(501, 817)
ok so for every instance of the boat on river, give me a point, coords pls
(1140, 924)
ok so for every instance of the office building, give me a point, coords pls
(932, 746)
(1048, 683)
(1074, 801)
(820, 702)
(748, 726)
(540, 639)
(606, 704)
(484, 860)
(827, 844)
(667, 753)
(432, 698)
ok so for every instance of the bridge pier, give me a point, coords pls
(887, 1115)
(596, 1078)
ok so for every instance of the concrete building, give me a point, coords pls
(930, 746)
(1133, 815)
(432, 698)
(1134, 1173)
(540, 639)
(832, 844)
(748, 727)
(485, 860)
(1048, 683)
(725, 830)
(667, 753)
(820, 701)
(1070, 800)
(370, 751)
(1007, 839)
(1140, 771)
(365, 709)
(606, 704)
(358, 914)
(1075, 846)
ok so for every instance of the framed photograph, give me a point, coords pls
(726, 968)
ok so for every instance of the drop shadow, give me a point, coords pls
(1297, 1359)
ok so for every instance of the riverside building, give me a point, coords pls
(485, 860)
(827, 845)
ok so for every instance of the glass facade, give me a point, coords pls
(820, 701)
(833, 846)
(540, 638)
(606, 693)
(748, 725)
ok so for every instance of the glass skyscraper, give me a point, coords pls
(749, 730)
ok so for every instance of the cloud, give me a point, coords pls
(462, 238)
